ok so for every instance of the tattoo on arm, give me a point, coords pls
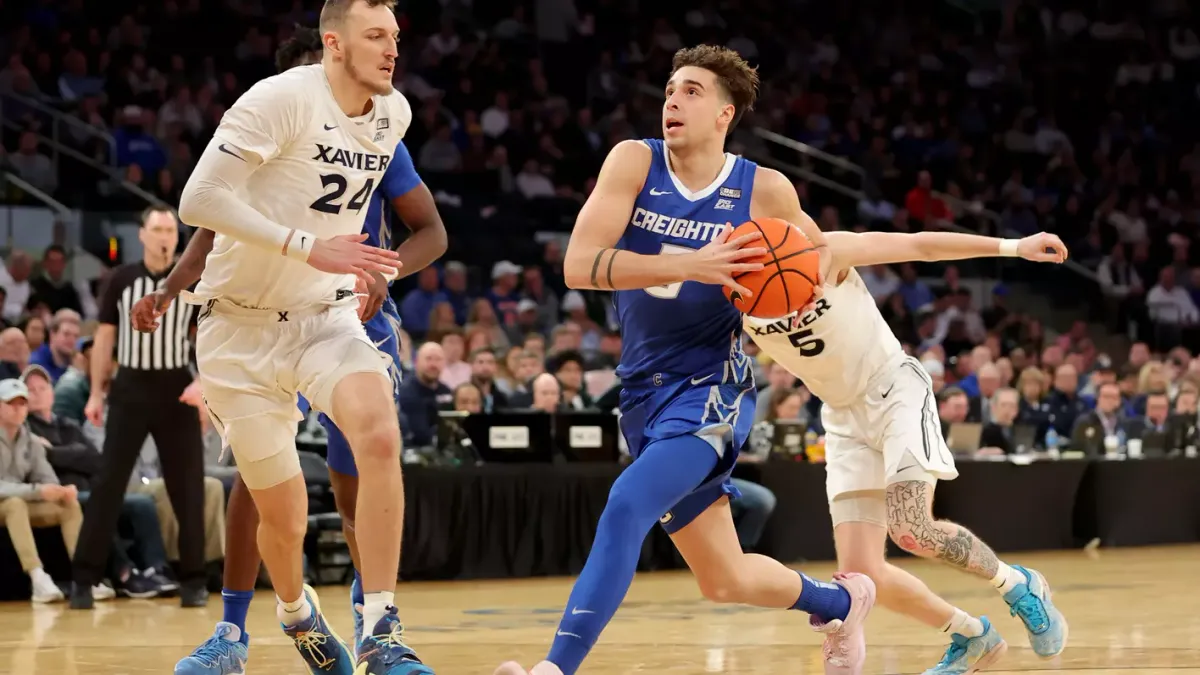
(608, 275)
(596, 267)
(915, 530)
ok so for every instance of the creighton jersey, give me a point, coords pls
(380, 226)
(835, 349)
(687, 328)
(319, 171)
(682, 366)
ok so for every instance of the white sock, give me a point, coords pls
(963, 624)
(292, 613)
(546, 668)
(375, 606)
(1007, 579)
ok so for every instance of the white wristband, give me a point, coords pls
(298, 245)
(1008, 248)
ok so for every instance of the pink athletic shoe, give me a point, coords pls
(845, 645)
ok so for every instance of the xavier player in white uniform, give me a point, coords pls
(284, 183)
(884, 450)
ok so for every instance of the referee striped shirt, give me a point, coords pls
(169, 347)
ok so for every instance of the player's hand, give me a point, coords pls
(721, 258)
(371, 296)
(69, 494)
(347, 254)
(147, 311)
(193, 395)
(1042, 247)
(94, 411)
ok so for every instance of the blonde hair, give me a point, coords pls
(1032, 374)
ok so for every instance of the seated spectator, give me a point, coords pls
(1158, 410)
(751, 510)
(416, 308)
(997, 436)
(547, 395)
(468, 399)
(1107, 414)
(35, 332)
(952, 408)
(778, 378)
(1062, 404)
(528, 320)
(590, 332)
(73, 389)
(483, 319)
(987, 379)
(58, 352)
(1170, 303)
(483, 376)
(567, 368)
(57, 290)
(30, 493)
(456, 371)
(77, 461)
(423, 395)
(14, 353)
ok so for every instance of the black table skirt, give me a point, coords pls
(534, 520)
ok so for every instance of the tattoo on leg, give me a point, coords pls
(915, 530)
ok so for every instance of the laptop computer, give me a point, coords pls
(1088, 437)
(511, 437)
(788, 440)
(1024, 438)
(587, 436)
(505, 437)
(964, 437)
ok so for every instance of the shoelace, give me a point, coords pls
(314, 644)
(953, 653)
(1031, 611)
(211, 651)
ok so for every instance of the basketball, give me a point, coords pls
(790, 267)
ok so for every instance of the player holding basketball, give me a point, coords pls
(884, 450)
(306, 148)
(654, 230)
(226, 651)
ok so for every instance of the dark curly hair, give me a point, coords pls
(303, 48)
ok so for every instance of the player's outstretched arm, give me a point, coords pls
(592, 262)
(187, 271)
(852, 249)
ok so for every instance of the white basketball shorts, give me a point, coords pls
(252, 364)
(892, 435)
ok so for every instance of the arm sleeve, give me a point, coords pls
(264, 120)
(401, 176)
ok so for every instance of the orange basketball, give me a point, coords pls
(790, 268)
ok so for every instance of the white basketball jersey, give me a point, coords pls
(319, 170)
(837, 348)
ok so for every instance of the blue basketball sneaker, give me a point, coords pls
(322, 650)
(383, 652)
(224, 653)
(969, 655)
(1031, 603)
(357, 609)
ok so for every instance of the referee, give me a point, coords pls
(151, 394)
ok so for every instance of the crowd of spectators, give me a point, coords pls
(1056, 115)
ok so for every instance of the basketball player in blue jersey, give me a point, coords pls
(226, 652)
(655, 230)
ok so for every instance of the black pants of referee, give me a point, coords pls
(140, 403)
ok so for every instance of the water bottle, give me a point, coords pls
(1051, 440)
(1121, 440)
